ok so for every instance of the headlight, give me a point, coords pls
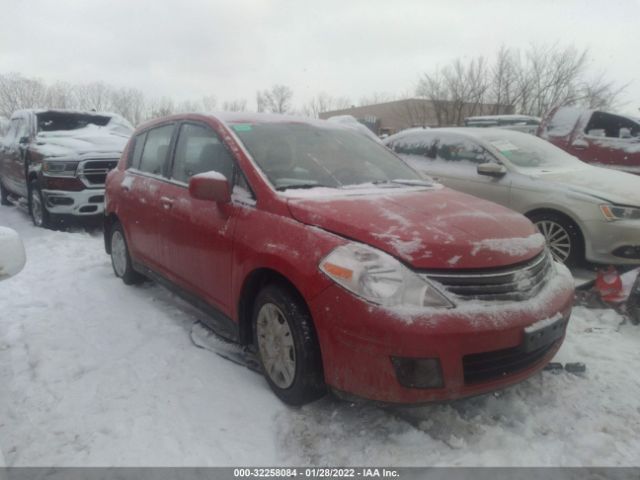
(380, 278)
(613, 212)
(59, 169)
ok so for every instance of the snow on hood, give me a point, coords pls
(430, 229)
(86, 141)
(612, 185)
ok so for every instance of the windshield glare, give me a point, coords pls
(299, 155)
(527, 151)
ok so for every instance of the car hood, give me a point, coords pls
(428, 229)
(80, 143)
(604, 183)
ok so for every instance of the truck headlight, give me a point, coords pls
(59, 169)
(615, 212)
(380, 278)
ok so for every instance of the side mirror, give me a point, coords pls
(212, 186)
(12, 256)
(492, 169)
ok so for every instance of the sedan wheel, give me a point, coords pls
(285, 338)
(118, 253)
(557, 238)
(275, 343)
(120, 258)
(563, 237)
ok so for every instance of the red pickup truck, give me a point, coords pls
(596, 137)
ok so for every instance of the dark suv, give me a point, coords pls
(58, 161)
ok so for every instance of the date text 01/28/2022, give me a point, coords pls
(315, 472)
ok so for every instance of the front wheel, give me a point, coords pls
(120, 258)
(37, 208)
(563, 237)
(287, 345)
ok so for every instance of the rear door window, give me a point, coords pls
(200, 150)
(461, 151)
(156, 150)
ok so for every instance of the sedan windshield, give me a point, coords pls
(527, 151)
(300, 155)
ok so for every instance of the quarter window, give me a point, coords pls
(136, 154)
(200, 150)
(156, 149)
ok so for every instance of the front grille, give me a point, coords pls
(93, 173)
(511, 283)
(487, 366)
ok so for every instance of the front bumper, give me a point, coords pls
(606, 241)
(358, 340)
(82, 203)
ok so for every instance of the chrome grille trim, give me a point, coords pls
(511, 283)
(93, 173)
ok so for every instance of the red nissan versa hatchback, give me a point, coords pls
(342, 266)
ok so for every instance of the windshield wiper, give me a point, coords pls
(301, 186)
(400, 181)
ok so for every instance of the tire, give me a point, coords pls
(120, 258)
(37, 208)
(563, 237)
(4, 196)
(287, 345)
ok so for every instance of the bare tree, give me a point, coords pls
(276, 100)
(238, 105)
(18, 92)
(376, 97)
(531, 83)
(209, 103)
(160, 107)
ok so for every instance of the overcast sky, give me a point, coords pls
(190, 48)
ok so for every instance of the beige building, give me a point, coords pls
(391, 117)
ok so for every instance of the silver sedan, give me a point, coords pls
(584, 212)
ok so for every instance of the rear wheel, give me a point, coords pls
(4, 195)
(120, 258)
(37, 208)
(287, 345)
(563, 237)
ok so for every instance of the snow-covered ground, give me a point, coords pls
(93, 372)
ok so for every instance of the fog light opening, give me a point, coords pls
(418, 372)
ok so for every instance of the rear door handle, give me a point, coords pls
(166, 202)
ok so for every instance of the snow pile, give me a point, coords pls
(12, 255)
(95, 373)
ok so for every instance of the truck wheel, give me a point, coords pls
(563, 237)
(287, 345)
(4, 195)
(37, 208)
(120, 258)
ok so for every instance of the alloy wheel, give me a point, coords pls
(557, 238)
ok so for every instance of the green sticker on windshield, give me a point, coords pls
(242, 127)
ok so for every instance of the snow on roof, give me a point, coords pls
(512, 118)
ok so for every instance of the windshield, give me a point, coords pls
(527, 151)
(69, 121)
(299, 155)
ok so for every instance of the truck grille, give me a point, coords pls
(93, 173)
(487, 366)
(511, 283)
